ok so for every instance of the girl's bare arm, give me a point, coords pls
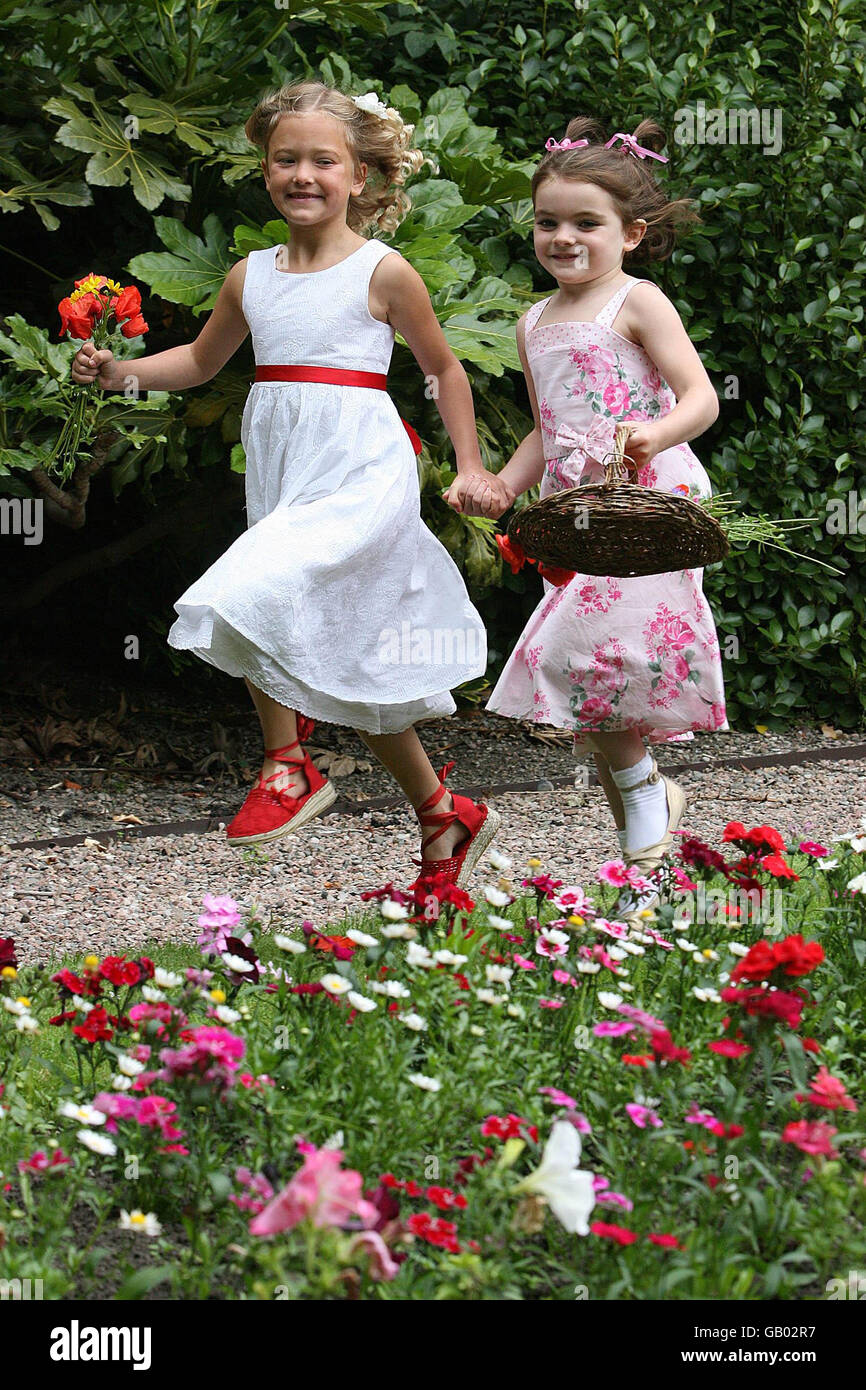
(525, 468)
(178, 368)
(655, 324)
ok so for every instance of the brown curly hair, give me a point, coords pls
(383, 143)
(630, 181)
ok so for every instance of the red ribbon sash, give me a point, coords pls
(335, 376)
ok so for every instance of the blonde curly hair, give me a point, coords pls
(381, 141)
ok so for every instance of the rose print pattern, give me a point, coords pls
(605, 653)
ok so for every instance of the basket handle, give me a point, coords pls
(621, 464)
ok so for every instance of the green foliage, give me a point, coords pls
(148, 109)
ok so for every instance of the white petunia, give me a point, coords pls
(516, 1011)
(288, 943)
(858, 844)
(858, 884)
(567, 1189)
(99, 1143)
(737, 948)
(84, 1006)
(500, 923)
(84, 1114)
(27, 1024)
(362, 938)
(686, 945)
(608, 1000)
(399, 930)
(145, 1223)
(633, 948)
(588, 967)
(426, 1083)
(416, 954)
(392, 988)
(156, 996)
(476, 1031)
(622, 984)
(166, 979)
(499, 860)
(414, 1021)
(335, 984)
(225, 1014)
(825, 864)
(393, 912)
(232, 962)
(445, 957)
(121, 1083)
(15, 1007)
(360, 1002)
(498, 974)
(616, 952)
(496, 897)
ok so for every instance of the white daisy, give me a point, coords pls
(489, 996)
(225, 1014)
(121, 1083)
(232, 962)
(129, 1066)
(288, 943)
(362, 938)
(500, 923)
(399, 930)
(449, 958)
(392, 988)
(686, 945)
(499, 860)
(426, 1083)
(476, 1031)
(498, 974)
(166, 979)
(516, 1011)
(335, 984)
(496, 897)
(27, 1024)
(393, 912)
(145, 1223)
(588, 967)
(608, 1000)
(99, 1143)
(360, 1002)
(414, 1021)
(416, 954)
(84, 1114)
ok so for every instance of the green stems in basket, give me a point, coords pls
(760, 530)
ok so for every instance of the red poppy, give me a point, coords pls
(668, 1242)
(726, 1047)
(78, 316)
(133, 327)
(127, 304)
(511, 552)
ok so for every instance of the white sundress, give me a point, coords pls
(337, 601)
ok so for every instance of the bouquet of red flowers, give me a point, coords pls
(97, 309)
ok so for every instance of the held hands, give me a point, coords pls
(90, 364)
(479, 493)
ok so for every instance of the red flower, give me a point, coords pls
(810, 1045)
(555, 576)
(723, 1131)
(67, 980)
(793, 956)
(134, 327)
(775, 865)
(664, 1049)
(313, 988)
(620, 1234)
(636, 1059)
(812, 1137)
(509, 1128)
(7, 953)
(120, 971)
(726, 1047)
(79, 316)
(95, 1028)
(511, 552)
(667, 1241)
(436, 1230)
(127, 304)
(769, 1003)
(828, 1091)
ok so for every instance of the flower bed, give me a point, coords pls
(516, 1097)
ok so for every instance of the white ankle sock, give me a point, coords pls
(646, 806)
(620, 834)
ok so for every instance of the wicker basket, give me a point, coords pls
(617, 527)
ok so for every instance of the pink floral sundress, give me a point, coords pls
(602, 653)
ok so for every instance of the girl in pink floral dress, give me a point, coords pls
(616, 660)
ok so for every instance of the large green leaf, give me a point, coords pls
(191, 271)
(22, 187)
(115, 159)
(491, 345)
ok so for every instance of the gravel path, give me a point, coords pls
(146, 891)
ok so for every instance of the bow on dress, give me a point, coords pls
(594, 443)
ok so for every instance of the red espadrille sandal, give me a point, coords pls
(481, 822)
(267, 814)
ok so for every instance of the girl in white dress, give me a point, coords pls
(337, 603)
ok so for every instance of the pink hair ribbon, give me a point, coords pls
(634, 148)
(564, 144)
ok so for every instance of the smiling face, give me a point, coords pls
(309, 171)
(579, 234)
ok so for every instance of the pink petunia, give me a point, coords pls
(558, 1097)
(611, 1029)
(816, 851)
(522, 963)
(642, 1115)
(562, 977)
(322, 1192)
(550, 1003)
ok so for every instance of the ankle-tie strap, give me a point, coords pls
(425, 813)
